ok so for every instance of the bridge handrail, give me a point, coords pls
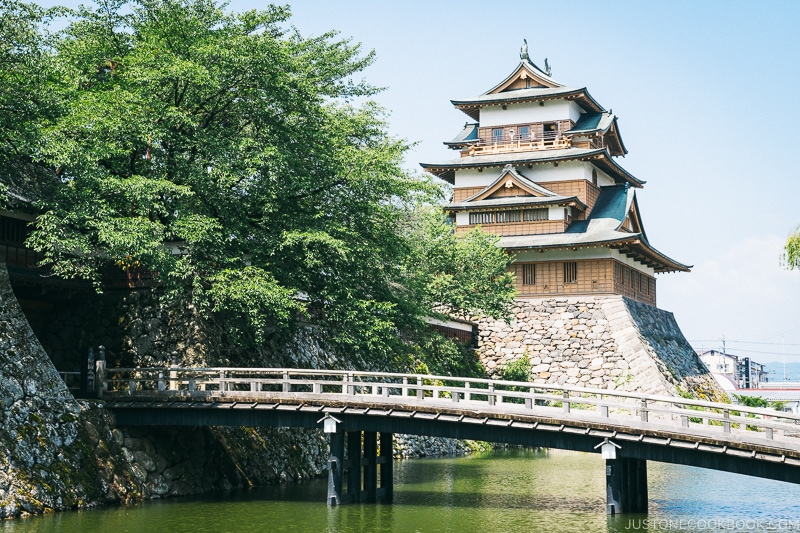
(346, 377)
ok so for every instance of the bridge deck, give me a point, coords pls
(676, 430)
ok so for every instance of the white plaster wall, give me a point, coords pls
(569, 170)
(462, 218)
(631, 263)
(470, 177)
(495, 115)
(602, 177)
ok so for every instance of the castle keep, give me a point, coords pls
(536, 166)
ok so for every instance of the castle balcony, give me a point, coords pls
(526, 143)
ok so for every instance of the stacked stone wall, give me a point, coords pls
(609, 342)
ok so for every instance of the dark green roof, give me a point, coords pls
(469, 133)
(601, 228)
(589, 122)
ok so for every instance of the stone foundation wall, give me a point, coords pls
(609, 342)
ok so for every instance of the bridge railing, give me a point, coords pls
(512, 396)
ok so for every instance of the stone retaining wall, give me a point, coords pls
(609, 342)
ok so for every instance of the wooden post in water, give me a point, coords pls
(369, 462)
(353, 466)
(335, 463)
(626, 485)
(386, 492)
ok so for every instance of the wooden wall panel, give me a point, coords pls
(585, 191)
(462, 193)
(594, 276)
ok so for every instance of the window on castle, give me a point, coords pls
(532, 215)
(497, 135)
(633, 279)
(549, 129)
(529, 274)
(570, 272)
(594, 177)
(507, 216)
(481, 218)
(524, 133)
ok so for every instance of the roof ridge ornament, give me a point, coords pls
(547, 69)
(523, 51)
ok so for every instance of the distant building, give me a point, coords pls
(742, 371)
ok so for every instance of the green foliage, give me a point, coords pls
(758, 401)
(791, 255)
(225, 154)
(26, 104)
(443, 357)
(751, 401)
(454, 267)
(518, 370)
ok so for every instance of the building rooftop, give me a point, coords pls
(599, 156)
(603, 227)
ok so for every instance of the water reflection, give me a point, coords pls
(531, 491)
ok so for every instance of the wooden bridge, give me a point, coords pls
(627, 428)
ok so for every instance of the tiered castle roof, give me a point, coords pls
(516, 148)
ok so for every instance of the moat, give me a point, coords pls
(505, 491)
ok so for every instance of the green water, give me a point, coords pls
(524, 491)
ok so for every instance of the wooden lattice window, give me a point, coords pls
(533, 215)
(507, 216)
(619, 272)
(481, 218)
(570, 272)
(529, 274)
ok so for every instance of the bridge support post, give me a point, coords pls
(370, 464)
(353, 466)
(386, 492)
(626, 486)
(335, 469)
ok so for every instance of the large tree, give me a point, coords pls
(243, 164)
(25, 103)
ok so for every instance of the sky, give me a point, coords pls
(705, 93)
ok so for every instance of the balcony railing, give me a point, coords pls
(524, 143)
